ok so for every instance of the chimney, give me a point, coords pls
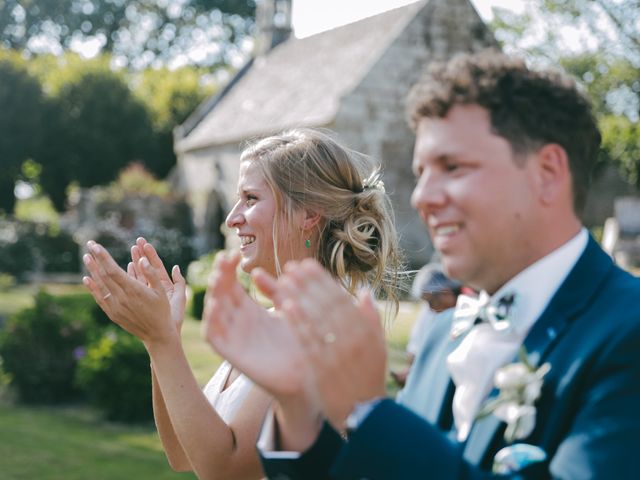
(273, 18)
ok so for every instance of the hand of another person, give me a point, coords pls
(144, 311)
(175, 289)
(343, 340)
(260, 344)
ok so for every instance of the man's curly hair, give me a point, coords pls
(528, 108)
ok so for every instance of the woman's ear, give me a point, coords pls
(311, 219)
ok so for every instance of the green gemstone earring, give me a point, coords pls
(307, 243)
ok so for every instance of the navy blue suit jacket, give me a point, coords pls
(588, 415)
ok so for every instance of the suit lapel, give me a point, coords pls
(571, 298)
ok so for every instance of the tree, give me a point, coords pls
(621, 144)
(557, 28)
(92, 121)
(138, 32)
(575, 34)
(21, 102)
(170, 96)
(95, 127)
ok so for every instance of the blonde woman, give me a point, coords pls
(300, 194)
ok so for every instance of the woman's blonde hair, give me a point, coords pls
(305, 168)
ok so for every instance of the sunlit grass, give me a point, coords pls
(397, 336)
(13, 300)
(16, 298)
(203, 360)
(56, 444)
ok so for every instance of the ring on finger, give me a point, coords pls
(106, 296)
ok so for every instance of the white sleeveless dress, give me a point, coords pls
(229, 401)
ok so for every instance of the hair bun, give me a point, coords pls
(357, 241)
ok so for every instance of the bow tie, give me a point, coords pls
(497, 312)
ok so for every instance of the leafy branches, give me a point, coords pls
(597, 41)
(138, 33)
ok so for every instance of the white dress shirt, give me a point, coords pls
(474, 362)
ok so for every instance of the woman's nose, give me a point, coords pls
(235, 217)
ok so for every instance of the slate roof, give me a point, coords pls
(299, 83)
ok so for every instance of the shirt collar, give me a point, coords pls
(536, 284)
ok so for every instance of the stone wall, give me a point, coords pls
(209, 178)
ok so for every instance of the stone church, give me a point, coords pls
(352, 80)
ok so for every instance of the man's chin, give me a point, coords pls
(454, 268)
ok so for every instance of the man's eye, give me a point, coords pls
(451, 166)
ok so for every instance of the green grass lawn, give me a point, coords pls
(203, 360)
(16, 298)
(67, 444)
(52, 443)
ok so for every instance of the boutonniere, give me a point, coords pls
(519, 385)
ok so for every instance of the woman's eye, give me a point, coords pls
(250, 199)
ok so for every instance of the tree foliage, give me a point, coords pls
(597, 41)
(621, 144)
(83, 122)
(95, 127)
(21, 104)
(139, 33)
(560, 28)
(170, 96)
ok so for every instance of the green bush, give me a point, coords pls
(40, 346)
(197, 301)
(16, 257)
(7, 281)
(116, 377)
(198, 273)
(60, 252)
(197, 277)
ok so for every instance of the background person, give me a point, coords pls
(438, 293)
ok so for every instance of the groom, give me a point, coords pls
(502, 160)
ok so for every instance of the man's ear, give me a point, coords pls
(311, 219)
(554, 174)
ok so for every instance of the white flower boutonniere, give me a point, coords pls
(519, 385)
